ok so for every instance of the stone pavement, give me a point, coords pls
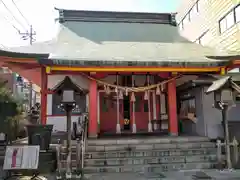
(178, 175)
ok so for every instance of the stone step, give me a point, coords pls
(150, 160)
(146, 140)
(146, 153)
(153, 168)
(135, 147)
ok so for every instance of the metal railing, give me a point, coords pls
(81, 148)
(80, 133)
(221, 164)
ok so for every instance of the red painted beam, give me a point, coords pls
(32, 74)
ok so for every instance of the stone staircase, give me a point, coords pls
(147, 154)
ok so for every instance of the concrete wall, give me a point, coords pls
(204, 24)
(213, 117)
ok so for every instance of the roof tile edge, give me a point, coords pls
(110, 16)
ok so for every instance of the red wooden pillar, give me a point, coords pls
(43, 95)
(172, 108)
(93, 124)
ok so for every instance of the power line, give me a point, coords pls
(11, 24)
(12, 14)
(21, 13)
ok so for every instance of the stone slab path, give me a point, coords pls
(180, 175)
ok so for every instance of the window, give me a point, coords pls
(223, 25)
(188, 106)
(237, 13)
(230, 20)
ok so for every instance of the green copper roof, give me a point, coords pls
(88, 38)
(86, 43)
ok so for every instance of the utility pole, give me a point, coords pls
(29, 36)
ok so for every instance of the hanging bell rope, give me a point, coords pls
(146, 95)
(116, 88)
(132, 89)
(133, 99)
(126, 92)
(108, 91)
(162, 87)
(120, 94)
(158, 91)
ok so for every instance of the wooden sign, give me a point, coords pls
(21, 157)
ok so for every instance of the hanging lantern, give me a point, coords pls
(158, 91)
(133, 99)
(146, 95)
(126, 92)
(120, 95)
(116, 90)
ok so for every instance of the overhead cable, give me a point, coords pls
(8, 21)
(13, 15)
(21, 13)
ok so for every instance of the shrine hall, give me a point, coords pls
(132, 66)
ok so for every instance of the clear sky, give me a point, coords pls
(41, 14)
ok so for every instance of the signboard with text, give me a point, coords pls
(21, 157)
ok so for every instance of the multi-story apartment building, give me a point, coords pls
(19, 87)
(214, 23)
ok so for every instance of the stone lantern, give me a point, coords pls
(224, 99)
(68, 91)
